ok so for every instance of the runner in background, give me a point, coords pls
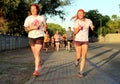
(64, 40)
(57, 38)
(46, 41)
(69, 36)
(52, 41)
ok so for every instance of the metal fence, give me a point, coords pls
(8, 42)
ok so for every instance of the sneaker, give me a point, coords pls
(76, 63)
(80, 75)
(35, 73)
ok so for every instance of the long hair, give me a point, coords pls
(76, 16)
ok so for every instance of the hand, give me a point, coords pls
(34, 26)
(76, 30)
(92, 27)
(81, 27)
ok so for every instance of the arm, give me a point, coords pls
(72, 35)
(92, 27)
(77, 27)
(76, 30)
(27, 29)
(48, 38)
(45, 27)
(44, 24)
(32, 26)
(54, 36)
(29, 26)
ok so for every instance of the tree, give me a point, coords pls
(95, 16)
(12, 11)
(15, 11)
(52, 28)
(7, 8)
(50, 7)
(3, 26)
(99, 22)
(113, 25)
(114, 17)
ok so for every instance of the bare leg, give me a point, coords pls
(57, 46)
(78, 53)
(83, 60)
(46, 49)
(36, 52)
(68, 45)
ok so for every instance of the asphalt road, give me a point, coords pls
(109, 45)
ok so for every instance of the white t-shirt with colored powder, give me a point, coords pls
(32, 20)
(57, 37)
(82, 35)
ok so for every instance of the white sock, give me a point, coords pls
(36, 69)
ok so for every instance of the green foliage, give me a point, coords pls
(3, 26)
(113, 25)
(104, 30)
(15, 11)
(52, 28)
(50, 7)
(98, 20)
(95, 16)
(8, 7)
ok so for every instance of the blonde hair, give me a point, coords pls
(76, 16)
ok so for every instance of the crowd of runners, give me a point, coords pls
(57, 40)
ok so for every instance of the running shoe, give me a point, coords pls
(76, 63)
(80, 75)
(35, 73)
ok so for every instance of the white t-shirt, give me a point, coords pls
(82, 35)
(57, 37)
(32, 20)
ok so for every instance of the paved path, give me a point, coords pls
(102, 67)
(110, 45)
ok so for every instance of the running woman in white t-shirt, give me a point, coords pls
(57, 38)
(81, 29)
(35, 25)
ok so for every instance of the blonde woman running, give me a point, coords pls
(81, 29)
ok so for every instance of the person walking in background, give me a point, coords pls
(52, 41)
(69, 36)
(35, 25)
(81, 29)
(64, 40)
(46, 41)
(57, 38)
